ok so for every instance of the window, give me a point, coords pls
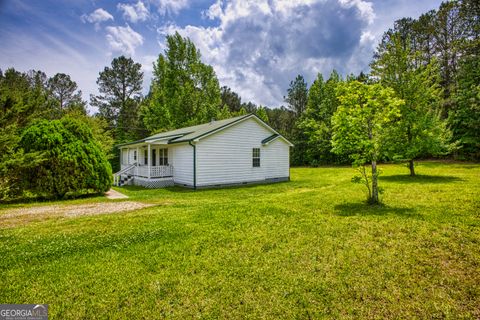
(135, 155)
(145, 158)
(163, 157)
(256, 157)
(154, 157)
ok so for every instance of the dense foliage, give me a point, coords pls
(26, 98)
(68, 159)
(316, 122)
(184, 90)
(420, 130)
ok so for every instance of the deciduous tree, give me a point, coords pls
(361, 126)
(420, 130)
(184, 90)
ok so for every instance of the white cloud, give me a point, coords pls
(259, 46)
(170, 6)
(214, 11)
(96, 17)
(123, 39)
(134, 13)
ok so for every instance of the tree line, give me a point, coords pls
(420, 99)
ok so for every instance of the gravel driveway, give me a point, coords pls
(19, 216)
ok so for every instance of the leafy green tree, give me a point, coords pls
(241, 112)
(120, 87)
(184, 90)
(361, 126)
(71, 160)
(23, 99)
(420, 130)
(262, 114)
(316, 123)
(465, 116)
(224, 113)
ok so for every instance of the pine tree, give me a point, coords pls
(120, 87)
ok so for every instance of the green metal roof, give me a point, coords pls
(195, 132)
(189, 133)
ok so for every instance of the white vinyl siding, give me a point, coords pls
(181, 158)
(276, 159)
(226, 157)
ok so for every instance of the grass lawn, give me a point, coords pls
(309, 248)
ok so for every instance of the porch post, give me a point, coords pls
(149, 161)
(138, 157)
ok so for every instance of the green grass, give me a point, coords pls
(309, 248)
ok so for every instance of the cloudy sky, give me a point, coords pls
(255, 46)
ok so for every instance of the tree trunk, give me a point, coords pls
(374, 199)
(411, 166)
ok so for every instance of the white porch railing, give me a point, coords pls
(155, 171)
(142, 171)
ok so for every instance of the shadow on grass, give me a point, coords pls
(363, 209)
(423, 179)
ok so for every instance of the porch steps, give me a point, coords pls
(124, 179)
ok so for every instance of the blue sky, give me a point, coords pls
(256, 47)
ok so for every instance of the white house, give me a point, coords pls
(233, 151)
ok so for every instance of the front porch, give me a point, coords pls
(149, 172)
(144, 164)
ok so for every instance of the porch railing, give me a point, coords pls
(155, 171)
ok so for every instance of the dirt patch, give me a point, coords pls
(20, 216)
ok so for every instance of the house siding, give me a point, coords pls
(277, 159)
(181, 158)
(226, 157)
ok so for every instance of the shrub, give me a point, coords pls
(71, 161)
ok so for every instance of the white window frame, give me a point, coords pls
(163, 156)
